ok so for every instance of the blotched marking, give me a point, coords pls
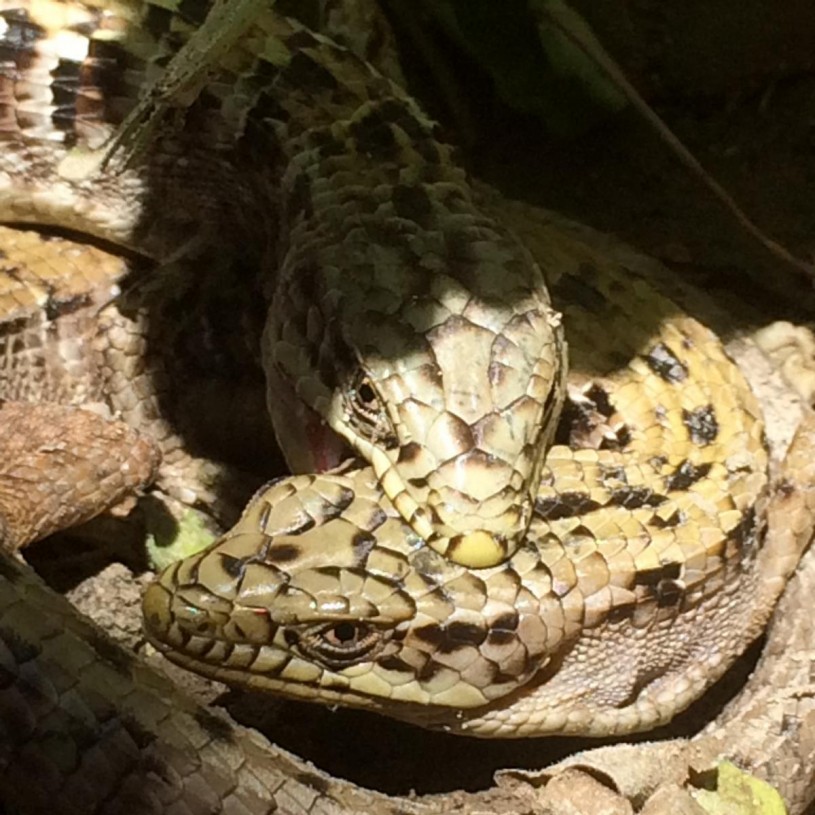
(565, 505)
(665, 364)
(636, 497)
(664, 582)
(702, 424)
(233, 566)
(374, 135)
(686, 474)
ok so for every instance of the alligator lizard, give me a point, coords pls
(649, 567)
(649, 520)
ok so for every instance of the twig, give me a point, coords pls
(554, 14)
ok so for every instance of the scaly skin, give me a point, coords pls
(86, 726)
(649, 566)
(130, 742)
(654, 522)
(79, 326)
(379, 267)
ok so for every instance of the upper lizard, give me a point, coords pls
(401, 315)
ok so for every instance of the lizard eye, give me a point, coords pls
(365, 413)
(342, 643)
(365, 399)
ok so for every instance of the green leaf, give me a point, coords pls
(739, 793)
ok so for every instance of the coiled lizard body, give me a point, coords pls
(645, 545)
(644, 574)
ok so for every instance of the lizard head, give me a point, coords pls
(443, 368)
(321, 592)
